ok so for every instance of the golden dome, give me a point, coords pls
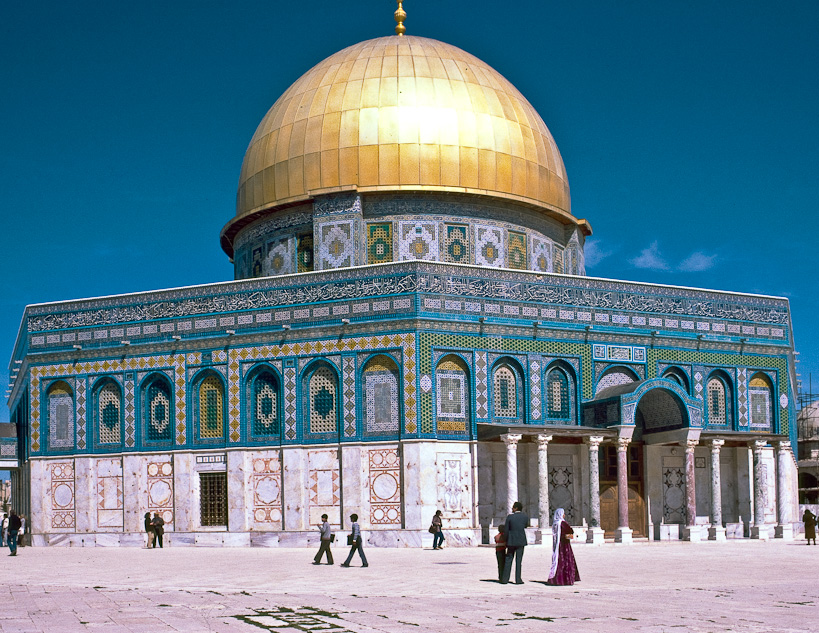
(401, 114)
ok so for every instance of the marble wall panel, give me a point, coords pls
(85, 503)
(109, 501)
(294, 480)
(454, 487)
(354, 482)
(264, 489)
(61, 495)
(238, 465)
(384, 486)
(184, 514)
(160, 488)
(323, 486)
(134, 492)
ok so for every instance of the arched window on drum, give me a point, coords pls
(60, 398)
(264, 397)
(557, 395)
(108, 412)
(615, 376)
(760, 397)
(381, 403)
(452, 395)
(158, 410)
(678, 376)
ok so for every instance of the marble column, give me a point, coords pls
(716, 532)
(759, 530)
(511, 440)
(692, 531)
(784, 527)
(623, 532)
(544, 520)
(594, 534)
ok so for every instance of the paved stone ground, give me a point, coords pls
(743, 586)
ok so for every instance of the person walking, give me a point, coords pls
(564, 567)
(149, 530)
(14, 531)
(500, 550)
(438, 534)
(515, 528)
(159, 529)
(5, 528)
(21, 539)
(326, 538)
(810, 526)
(356, 541)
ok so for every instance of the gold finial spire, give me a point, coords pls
(400, 16)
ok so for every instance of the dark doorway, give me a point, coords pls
(608, 491)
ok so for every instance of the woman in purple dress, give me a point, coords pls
(564, 568)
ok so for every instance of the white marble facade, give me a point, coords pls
(274, 496)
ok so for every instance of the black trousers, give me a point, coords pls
(158, 538)
(325, 548)
(515, 552)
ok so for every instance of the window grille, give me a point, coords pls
(759, 396)
(506, 400)
(266, 405)
(109, 408)
(716, 402)
(323, 401)
(213, 499)
(61, 416)
(558, 390)
(158, 411)
(211, 423)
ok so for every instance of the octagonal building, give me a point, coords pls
(410, 329)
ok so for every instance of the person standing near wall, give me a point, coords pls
(810, 526)
(5, 528)
(14, 531)
(438, 527)
(159, 529)
(515, 527)
(149, 530)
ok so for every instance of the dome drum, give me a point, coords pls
(347, 229)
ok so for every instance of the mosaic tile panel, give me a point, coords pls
(290, 403)
(489, 246)
(81, 415)
(323, 403)
(280, 258)
(742, 396)
(379, 243)
(535, 410)
(612, 379)
(557, 258)
(385, 486)
(130, 412)
(109, 501)
(109, 413)
(61, 415)
(160, 488)
(517, 256)
(348, 378)
(456, 244)
(304, 253)
(336, 248)
(505, 393)
(418, 240)
(381, 402)
(541, 255)
(234, 382)
(62, 495)
(481, 387)
(266, 487)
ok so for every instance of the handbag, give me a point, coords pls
(350, 540)
(332, 538)
(432, 529)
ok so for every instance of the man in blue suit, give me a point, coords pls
(516, 524)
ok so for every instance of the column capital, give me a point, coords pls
(716, 445)
(690, 445)
(784, 446)
(543, 440)
(594, 441)
(758, 445)
(511, 439)
(622, 443)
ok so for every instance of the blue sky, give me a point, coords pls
(689, 131)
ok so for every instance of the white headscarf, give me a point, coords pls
(560, 514)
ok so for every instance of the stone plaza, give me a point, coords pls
(738, 586)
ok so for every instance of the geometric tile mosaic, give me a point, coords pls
(742, 396)
(541, 255)
(62, 495)
(489, 246)
(348, 378)
(481, 388)
(81, 410)
(384, 486)
(418, 240)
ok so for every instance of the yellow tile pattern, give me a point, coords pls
(405, 113)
